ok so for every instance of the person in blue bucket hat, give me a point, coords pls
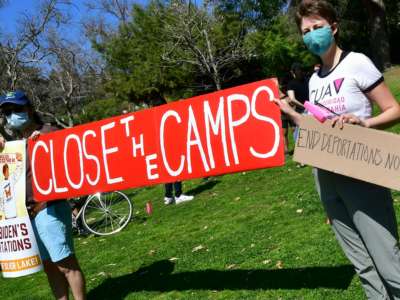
(51, 221)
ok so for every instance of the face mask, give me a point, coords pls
(319, 40)
(18, 120)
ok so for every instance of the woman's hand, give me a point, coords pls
(35, 135)
(348, 118)
(2, 143)
(284, 105)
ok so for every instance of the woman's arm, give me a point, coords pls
(292, 99)
(291, 95)
(2, 143)
(390, 108)
(287, 109)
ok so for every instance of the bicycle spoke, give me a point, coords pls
(108, 199)
(95, 208)
(111, 222)
(96, 203)
(113, 214)
(99, 224)
(107, 213)
(118, 221)
(111, 199)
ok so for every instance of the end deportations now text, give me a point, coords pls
(348, 149)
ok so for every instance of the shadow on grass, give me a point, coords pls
(207, 185)
(158, 277)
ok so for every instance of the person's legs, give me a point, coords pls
(168, 196)
(318, 188)
(285, 128)
(317, 183)
(286, 140)
(296, 128)
(73, 275)
(57, 281)
(54, 235)
(168, 190)
(179, 197)
(178, 188)
(373, 214)
(295, 133)
(349, 237)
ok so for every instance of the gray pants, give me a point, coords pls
(364, 222)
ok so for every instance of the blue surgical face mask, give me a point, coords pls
(319, 40)
(18, 120)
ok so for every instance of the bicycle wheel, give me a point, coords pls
(107, 213)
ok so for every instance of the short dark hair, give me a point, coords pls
(296, 66)
(321, 8)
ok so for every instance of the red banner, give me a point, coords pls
(227, 131)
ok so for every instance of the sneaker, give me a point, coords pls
(183, 198)
(168, 200)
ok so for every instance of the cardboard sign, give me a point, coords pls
(19, 254)
(366, 154)
(223, 132)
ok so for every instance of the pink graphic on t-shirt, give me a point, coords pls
(338, 84)
(336, 104)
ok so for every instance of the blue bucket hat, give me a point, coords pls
(16, 97)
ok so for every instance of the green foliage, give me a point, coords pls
(134, 58)
(281, 46)
(210, 42)
(154, 56)
(257, 14)
(393, 22)
(101, 109)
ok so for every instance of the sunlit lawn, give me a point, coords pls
(253, 235)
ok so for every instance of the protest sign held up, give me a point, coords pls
(367, 154)
(19, 254)
(223, 132)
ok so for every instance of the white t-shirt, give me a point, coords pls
(343, 89)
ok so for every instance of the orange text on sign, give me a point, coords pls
(20, 264)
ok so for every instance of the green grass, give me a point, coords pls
(392, 77)
(260, 235)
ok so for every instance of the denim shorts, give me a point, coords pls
(53, 231)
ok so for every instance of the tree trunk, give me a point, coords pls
(379, 39)
(217, 82)
(214, 67)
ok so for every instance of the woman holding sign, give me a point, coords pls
(51, 221)
(362, 214)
